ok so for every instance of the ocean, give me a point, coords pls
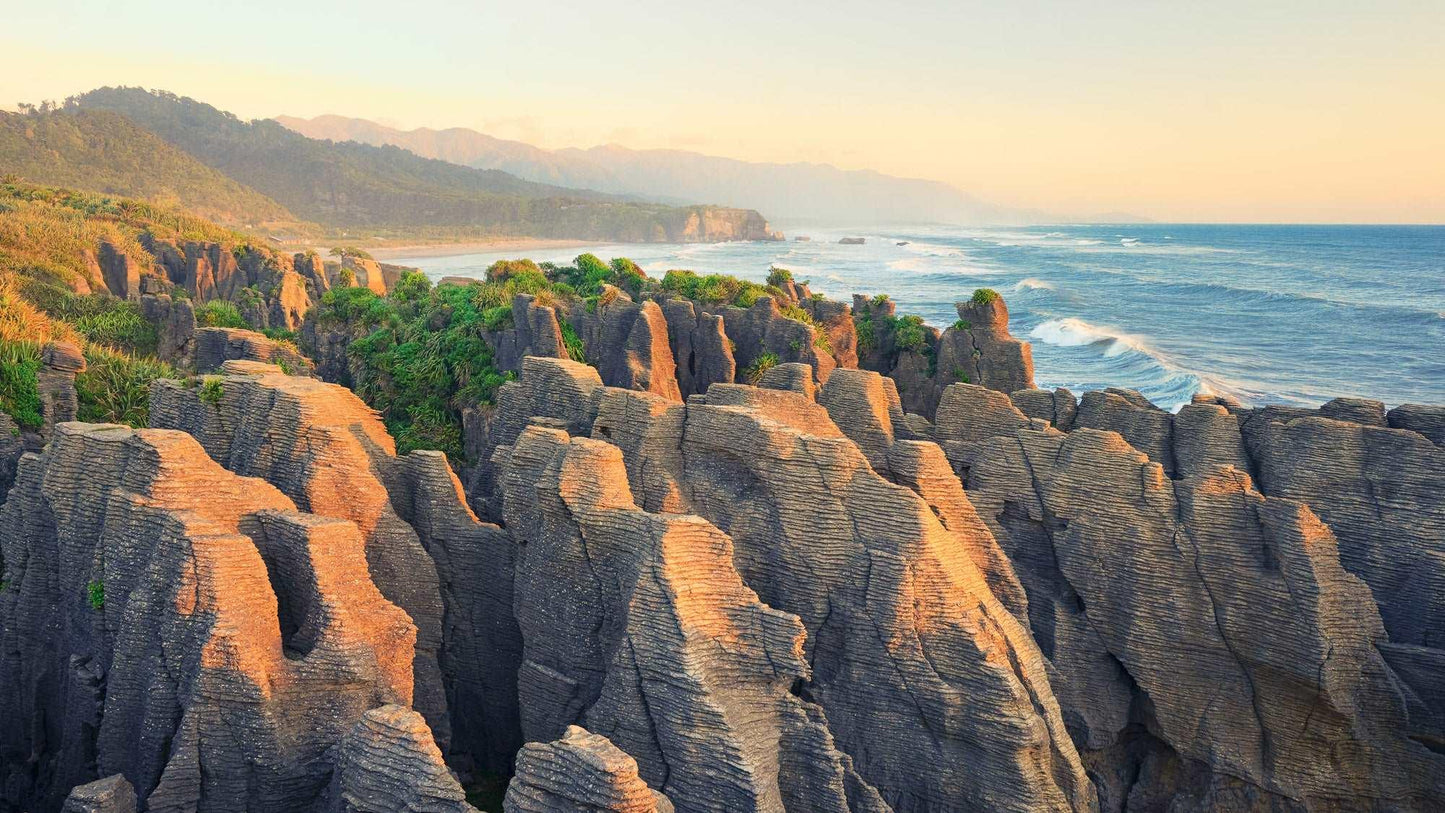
(1268, 314)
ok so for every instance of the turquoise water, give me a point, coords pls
(1268, 314)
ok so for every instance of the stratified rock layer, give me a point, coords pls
(1285, 689)
(581, 772)
(325, 449)
(109, 795)
(819, 533)
(425, 549)
(180, 625)
(388, 763)
(637, 626)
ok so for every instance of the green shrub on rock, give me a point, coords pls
(19, 383)
(115, 387)
(760, 365)
(219, 313)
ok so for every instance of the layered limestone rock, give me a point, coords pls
(817, 532)
(121, 275)
(481, 645)
(700, 347)
(1284, 695)
(359, 272)
(977, 349)
(1378, 489)
(763, 329)
(649, 430)
(172, 622)
(866, 407)
(628, 342)
(175, 321)
(637, 626)
(793, 376)
(820, 534)
(835, 320)
(325, 449)
(1057, 408)
(536, 333)
(112, 794)
(311, 268)
(566, 392)
(60, 362)
(1426, 420)
(580, 771)
(12, 446)
(212, 347)
(388, 763)
(712, 224)
(980, 345)
(290, 300)
(1369, 481)
(1146, 427)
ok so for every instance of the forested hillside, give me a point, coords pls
(389, 190)
(105, 152)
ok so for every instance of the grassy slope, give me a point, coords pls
(46, 239)
(381, 189)
(104, 152)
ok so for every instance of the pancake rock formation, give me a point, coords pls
(182, 626)
(780, 558)
(580, 771)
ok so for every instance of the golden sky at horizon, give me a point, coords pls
(1323, 112)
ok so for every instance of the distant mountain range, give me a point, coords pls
(799, 192)
(156, 145)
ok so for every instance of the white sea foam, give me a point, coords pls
(932, 250)
(1074, 332)
(1129, 241)
(1034, 284)
(909, 264)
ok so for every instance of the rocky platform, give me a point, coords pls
(842, 589)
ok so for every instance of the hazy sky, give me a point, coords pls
(1227, 111)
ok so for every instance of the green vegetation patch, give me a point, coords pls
(95, 594)
(984, 296)
(115, 387)
(219, 313)
(715, 289)
(908, 332)
(588, 274)
(763, 363)
(212, 390)
(19, 385)
(98, 317)
(572, 342)
(422, 357)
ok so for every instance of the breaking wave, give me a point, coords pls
(1074, 332)
(1033, 284)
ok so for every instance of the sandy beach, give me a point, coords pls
(521, 244)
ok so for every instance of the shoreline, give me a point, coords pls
(472, 247)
